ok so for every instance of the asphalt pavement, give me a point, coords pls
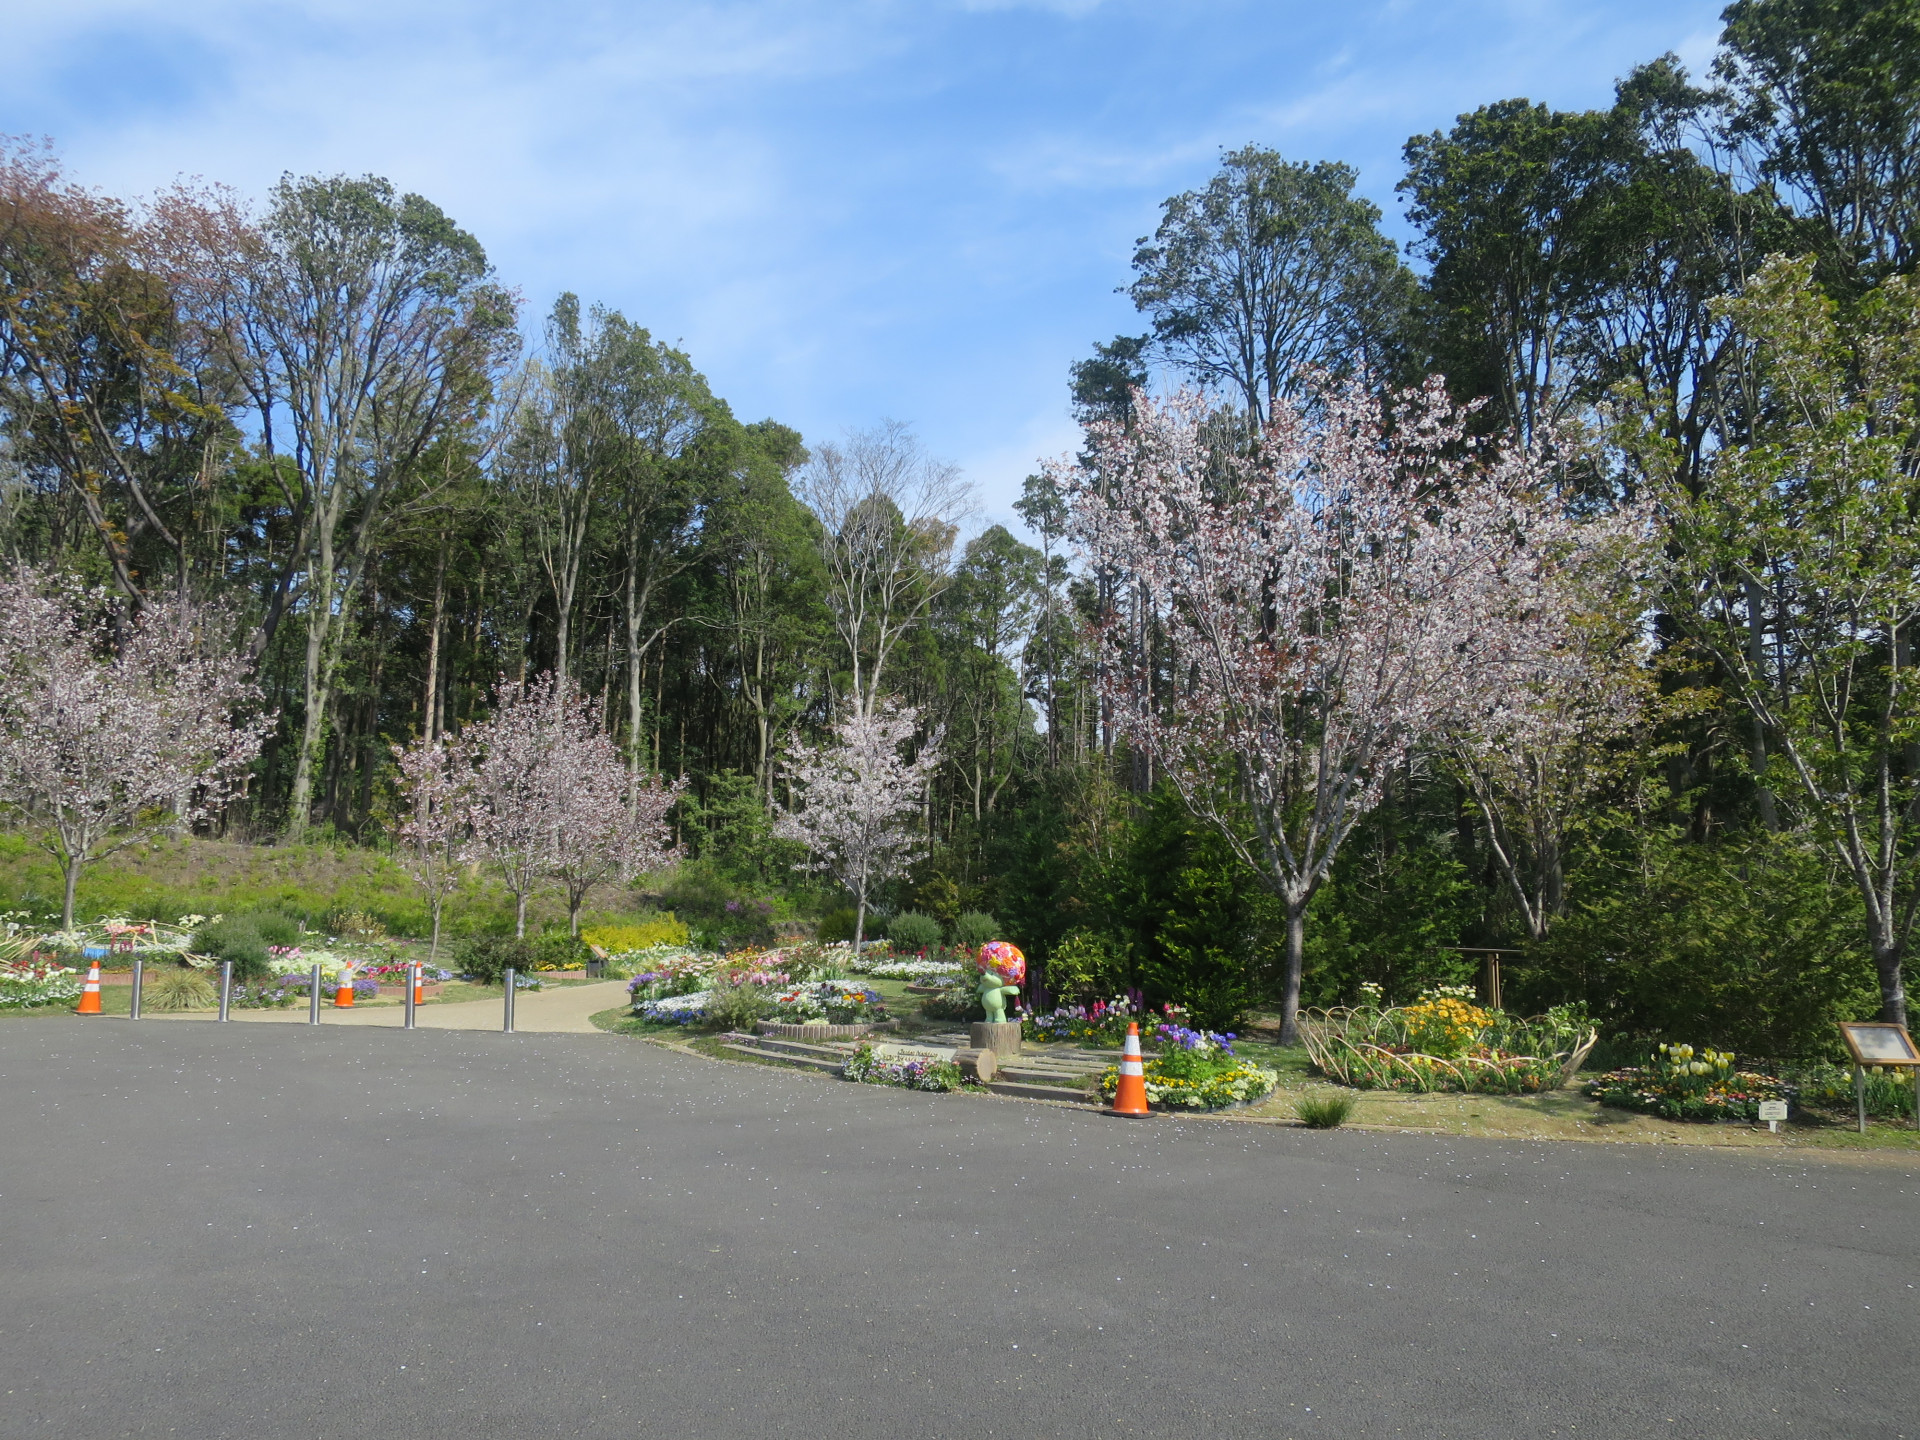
(216, 1231)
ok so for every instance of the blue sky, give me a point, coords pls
(843, 211)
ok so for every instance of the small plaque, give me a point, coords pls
(1773, 1109)
(1880, 1044)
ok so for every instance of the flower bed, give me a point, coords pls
(919, 968)
(839, 1001)
(1680, 1083)
(675, 1009)
(33, 985)
(1444, 1043)
(914, 1073)
(1203, 1076)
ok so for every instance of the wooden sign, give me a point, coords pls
(1876, 1044)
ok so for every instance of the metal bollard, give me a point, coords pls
(139, 980)
(226, 986)
(508, 1027)
(313, 996)
(412, 975)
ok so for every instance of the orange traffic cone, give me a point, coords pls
(343, 997)
(1131, 1097)
(90, 992)
(418, 998)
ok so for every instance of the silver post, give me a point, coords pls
(140, 975)
(413, 979)
(226, 986)
(313, 996)
(508, 1026)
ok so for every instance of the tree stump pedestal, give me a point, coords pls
(1003, 1039)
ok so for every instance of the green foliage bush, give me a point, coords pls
(1754, 944)
(235, 939)
(1206, 929)
(736, 1007)
(487, 958)
(560, 951)
(721, 914)
(955, 1002)
(974, 929)
(910, 932)
(1389, 915)
(836, 925)
(1087, 966)
(618, 939)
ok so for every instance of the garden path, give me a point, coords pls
(563, 1010)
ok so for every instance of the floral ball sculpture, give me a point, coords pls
(1002, 968)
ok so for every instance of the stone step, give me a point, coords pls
(1026, 1091)
(779, 1044)
(1028, 1075)
(805, 1062)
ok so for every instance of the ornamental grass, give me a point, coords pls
(1443, 1042)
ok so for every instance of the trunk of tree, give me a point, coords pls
(1893, 990)
(520, 915)
(430, 706)
(1296, 958)
(313, 728)
(1757, 750)
(439, 905)
(72, 865)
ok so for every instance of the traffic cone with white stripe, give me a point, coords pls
(90, 992)
(343, 996)
(1131, 1097)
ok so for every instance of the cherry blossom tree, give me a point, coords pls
(860, 799)
(609, 822)
(1296, 612)
(116, 728)
(555, 801)
(437, 784)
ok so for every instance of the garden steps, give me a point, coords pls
(830, 1066)
(1055, 1078)
(1028, 1090)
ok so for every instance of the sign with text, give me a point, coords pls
(1880, 1044)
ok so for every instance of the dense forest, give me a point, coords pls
(328, 412)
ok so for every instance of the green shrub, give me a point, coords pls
(236, 940)
(910, 931)
(736, 1007)
(664, 929)
(955, 1002)
(177, 989)
(275, 926)
(1751, 943)
(557, 950)
(974, 929)
(836, 925)
(488, 957)
(1086, 966)
(1323, 1112)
